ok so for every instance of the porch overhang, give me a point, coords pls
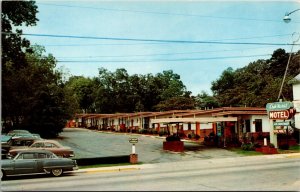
(193, 120)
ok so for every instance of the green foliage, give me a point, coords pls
(176, 103)
(204, 100)
(271, 145)
(33, 95)
(117, 91)
(13, 15)
(248, 147)
(256, 84)
(173, 137)
(143, 131)
(245, 152)
(83, 90)
(14, 48)
(295, 148)
(162, 133)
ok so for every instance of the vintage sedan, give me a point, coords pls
(22, 141)
(50, 145)
(37, 162)
(16, 132)
(6, 142)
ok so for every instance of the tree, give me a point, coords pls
(33, 94)
(176, 103)
(170, 85)
(203, 101)
(14, 49)
(223, 87)
(257, 83)
(14, 14)
(41, 105)
(83, 90)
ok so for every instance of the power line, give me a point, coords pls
(136, 61)
(161, 54)
(102, 44)
(159, 13)
(151, 40)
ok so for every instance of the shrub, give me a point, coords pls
(173, 138)
(143, 131)
(257, 145)
(206, 139)
(284, 146)
(248, 147)
(271, 145)
(161, 133)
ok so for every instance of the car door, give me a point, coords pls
(25, 163)
(37, 145)
(53, 148)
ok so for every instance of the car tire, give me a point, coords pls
(56, 172)
(3, 175)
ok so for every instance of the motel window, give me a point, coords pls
(258, 125)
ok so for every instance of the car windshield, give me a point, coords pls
(5, 138)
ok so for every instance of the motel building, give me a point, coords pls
(229, 124)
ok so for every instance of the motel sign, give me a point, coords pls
(284, 114)
(278, 106)
(281, 110)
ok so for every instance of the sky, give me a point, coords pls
(197, 40)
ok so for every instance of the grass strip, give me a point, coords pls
(244, 152)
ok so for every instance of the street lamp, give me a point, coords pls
(287, 18)
(287, 66)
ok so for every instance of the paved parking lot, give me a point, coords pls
(90, 143)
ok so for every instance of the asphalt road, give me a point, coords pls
(90, 143)
(250, 173)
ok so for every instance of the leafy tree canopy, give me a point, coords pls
(257, 83)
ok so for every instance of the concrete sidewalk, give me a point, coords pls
(217, 160)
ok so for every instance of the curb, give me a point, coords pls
(114, 168)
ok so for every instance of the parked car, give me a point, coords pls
(6, 142)
(22, 141)
(37, 162)
(22, 133)
(50, 145)
(15, 132)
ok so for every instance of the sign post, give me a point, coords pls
(133, 155)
